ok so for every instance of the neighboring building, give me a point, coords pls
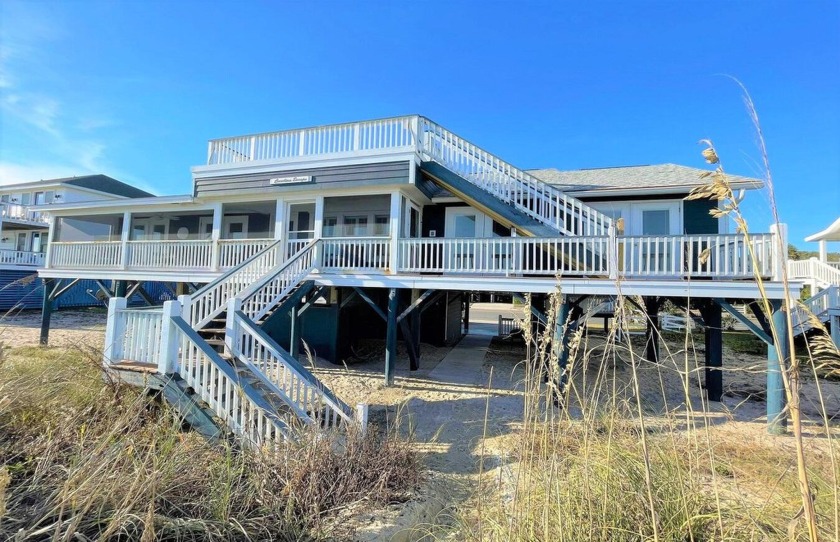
(337, 233)
(24, 230)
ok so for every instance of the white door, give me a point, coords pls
(655, 222)
(462, 225)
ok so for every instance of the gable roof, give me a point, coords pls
(661, 178)
(101, 183)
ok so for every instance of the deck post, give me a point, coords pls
(294, 332)
(778, 357)
(215, 235)
(50, 238)
(168, 355)
(560, 343)
(834, 324)
(779, 250)
(612, 253)
(391, 336)
(125, 235)
(114, 329)
(120, 288)
(234, 304)
(186, 310)
(652, 331)
(466, 313)
(712, 318)
(394, 227)
(46, 310)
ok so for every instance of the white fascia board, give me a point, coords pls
(573, 286)
(96, 206)
(261, 194)
(257, 167)
(152, 275)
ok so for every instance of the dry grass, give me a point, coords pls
(84, 459)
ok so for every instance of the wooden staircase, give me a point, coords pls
(224, 375)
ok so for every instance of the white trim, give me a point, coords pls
(95, 205)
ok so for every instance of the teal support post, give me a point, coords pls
(120, 288)
(391, 337)
(294, 332)
(467, 296)
(652, 330)
(778, 356)
(46, 311)
(560, 342)
(712, 318)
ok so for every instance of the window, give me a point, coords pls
(355, 225)
(380, 224)
(330, 223)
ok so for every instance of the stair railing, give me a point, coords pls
(246, 413)
(510, 184)
(287, 377)
(268, 290)
(814, 269)
(209, 301)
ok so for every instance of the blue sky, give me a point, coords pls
(135, 89)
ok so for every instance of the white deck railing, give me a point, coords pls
(165, 255)
(86, 255)
(16, 211)
(232, 252)
(506, 255)
(169, 254)
(22, 257)
(354, 137)
(133, 335)
(670, 257)
(431, 141)
(718, 256)
(355, 254)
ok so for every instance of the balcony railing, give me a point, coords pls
(666, 257)
(16, 211)
(22, 258)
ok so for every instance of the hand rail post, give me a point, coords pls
(232, 338)
(612, 253)
(114, 330)
(186, 308)
(124, 237)
(168, 354)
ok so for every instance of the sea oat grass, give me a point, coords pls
(85, 459)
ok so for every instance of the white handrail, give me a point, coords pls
(211, 300)
(311, 400)
(245, 412)
(16, 211)
(355, 253)
(268, 290)
(510, 184)
(814, 269)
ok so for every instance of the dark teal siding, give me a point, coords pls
(696, 217)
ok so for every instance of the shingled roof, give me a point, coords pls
(669, 178)
(103, 183)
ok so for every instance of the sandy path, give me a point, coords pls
(80, 328)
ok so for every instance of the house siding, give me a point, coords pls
(334, 177)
